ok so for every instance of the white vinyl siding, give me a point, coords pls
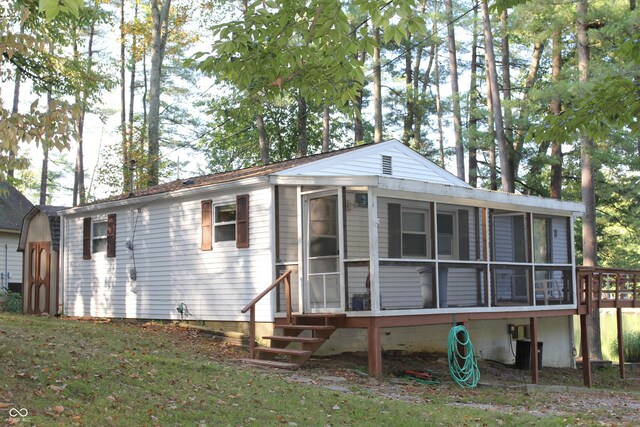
(357, 229)
(13, 258)
(170, 267)
(367, 161)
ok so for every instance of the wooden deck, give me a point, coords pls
(596, 288)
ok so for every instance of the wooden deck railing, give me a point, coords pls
(608, 287)
(251, 307)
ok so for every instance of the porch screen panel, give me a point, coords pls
(560, 241)
(357, 224)
(463, 234)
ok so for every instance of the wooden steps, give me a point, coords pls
(307, 327)
(289, 339)
(297, 342)
(271, 364)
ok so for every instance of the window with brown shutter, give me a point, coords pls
(86, 238)
(395, 230)
(206, 225)
(111, 236)
(242, 221)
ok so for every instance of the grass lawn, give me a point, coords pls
(90, 373)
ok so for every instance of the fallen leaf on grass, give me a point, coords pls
(56, 388)
(4, 405)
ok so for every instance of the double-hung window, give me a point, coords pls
(414, 233)
(446, 235)
(224, 224)
(99, 236)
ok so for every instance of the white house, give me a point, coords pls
(13, 207)
(383, 246)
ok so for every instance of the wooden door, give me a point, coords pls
(39, 288)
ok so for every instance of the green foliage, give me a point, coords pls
(51, 8)
(631, 340)
(229, 142)
(11, 302)
(310, 47)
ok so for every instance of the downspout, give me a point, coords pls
(6, 267)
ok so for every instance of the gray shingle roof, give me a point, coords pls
(217, 178)
(13, 207)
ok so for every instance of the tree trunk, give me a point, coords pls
(14, 110)
(555, 186)
(302, 126)
(326, 128)
(159, 32)
(123, 105)
(263, 140)
(491, 134)
(358, 128)
(132, 83)
(439, 112)
(632, 7)
(455, 92)
(508, 182)
(426, 80)
(506, 91)
(407, 134)
(79, 191)
(418, 111)
(377, 88)
(589, 239)
(538, 47)
(473, 105)
(45, 149)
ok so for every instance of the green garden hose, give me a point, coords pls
(460, 349)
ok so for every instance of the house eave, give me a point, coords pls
(482, 198)
(169, 195)
(325, 180)
(444, 193)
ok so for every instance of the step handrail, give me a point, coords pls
(251, 307)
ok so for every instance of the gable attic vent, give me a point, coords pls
(387, 168)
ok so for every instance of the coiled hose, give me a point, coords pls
(460, 349)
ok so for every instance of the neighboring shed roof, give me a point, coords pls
(13, 207)
(54, 224)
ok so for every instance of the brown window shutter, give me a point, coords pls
(206, 225)
(395, 230)
(111, 236)
(86, 238)
(242, 221)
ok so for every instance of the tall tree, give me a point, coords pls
(124, 143)
(556, 108)
(474, 116)
(377, 87)
(159, 33)
(302, 126)
(589, 237)
(455, 91)
(508, 180)
(326, 128)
